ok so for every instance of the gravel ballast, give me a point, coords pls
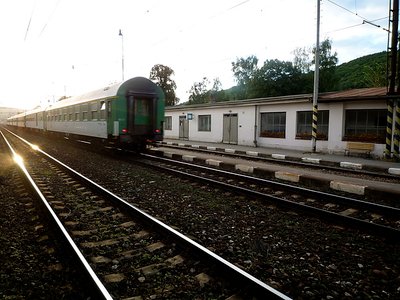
(299, 255)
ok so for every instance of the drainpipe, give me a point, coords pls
(255, 125)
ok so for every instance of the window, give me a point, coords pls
(365, 125)
(93, 110)
(168, 123)
(142, 107)
(65, 111)
(102, 110)
(84, 109)
(273, 125)
(204, 122)
(77, 112)
(304, 125)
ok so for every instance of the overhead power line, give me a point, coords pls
(30, 19)
(50, 17)
(365, 20)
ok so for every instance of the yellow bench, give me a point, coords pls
(361, 148)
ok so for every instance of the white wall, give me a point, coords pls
(246, 121)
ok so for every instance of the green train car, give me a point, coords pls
(128, 114)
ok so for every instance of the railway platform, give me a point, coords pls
(356, 162)
(347, 184)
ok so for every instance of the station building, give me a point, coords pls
(285, 122)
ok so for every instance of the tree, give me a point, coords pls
(302, 59)
(328, 61)
(199, 92)
(162, 76)
(245, 70)
(215, 90)
(277, 78)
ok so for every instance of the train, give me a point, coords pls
(128, 115)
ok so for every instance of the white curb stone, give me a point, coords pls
(350, 165)
(347, 187)
(230, 150)
(311, 160)
(213, 162)
(168, 154)
(244, 168)
(211, 148)
(195, 146)
(394, 171)
(278, 156)
(188, 157)
(287, 176)
(181, 144)
(252, 153)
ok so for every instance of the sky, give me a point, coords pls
(55, 48)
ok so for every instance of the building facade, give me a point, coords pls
(286, 122)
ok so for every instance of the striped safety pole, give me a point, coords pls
(396, 136)
(314, 123)
(389, 125)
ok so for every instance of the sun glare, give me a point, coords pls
(18, 159)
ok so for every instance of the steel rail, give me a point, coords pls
(393, 211)
(289, 162)
(335, 217)
(242, 277)
(102, 291)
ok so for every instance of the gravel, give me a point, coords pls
(32, 263)
(299, 255)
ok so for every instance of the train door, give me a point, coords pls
(230, 129)
(183, 128)
(141, 114)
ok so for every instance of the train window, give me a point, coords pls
(102, 110)
(84, 109)
(142, 107)
(77, 116)
(70, 117)
(93, 111)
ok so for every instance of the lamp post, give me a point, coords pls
(122, 43)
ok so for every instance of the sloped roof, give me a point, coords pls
(375, 93)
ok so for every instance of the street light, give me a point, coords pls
(122, 40)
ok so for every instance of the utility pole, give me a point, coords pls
(316, 85)
(393, 80)
(122, 39)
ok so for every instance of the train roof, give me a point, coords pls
(139, 85)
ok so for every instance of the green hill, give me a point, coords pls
(363, 72)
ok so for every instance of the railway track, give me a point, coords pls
(381, 219)
(126, 252)
(353, 169)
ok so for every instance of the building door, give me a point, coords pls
(183, 128)
(230, 129)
